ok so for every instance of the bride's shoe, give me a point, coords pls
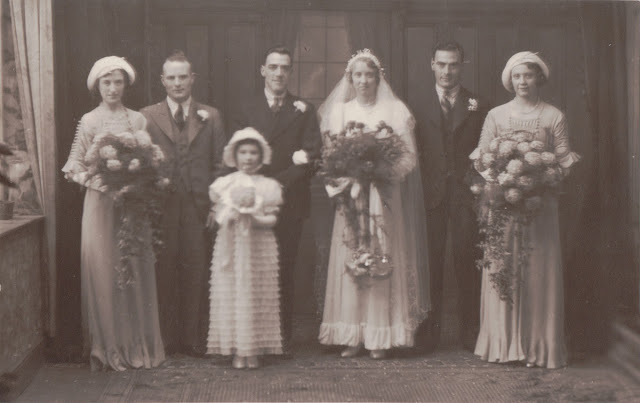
(378, 354)
(351, 351)
(239, 362)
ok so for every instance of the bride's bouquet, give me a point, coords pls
(358, 166)
(517, 173)
(128, 167)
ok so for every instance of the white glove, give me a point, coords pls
(300, 157)
(341, 185)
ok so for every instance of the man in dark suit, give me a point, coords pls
(291, 127)
(192, 138)
(449, 128)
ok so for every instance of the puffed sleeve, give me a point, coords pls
(75, 169)
(407, 134)
(272, 197)
(566, 158)
(138, 121)
(216, 188)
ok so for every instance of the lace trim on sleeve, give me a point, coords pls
(75, 169)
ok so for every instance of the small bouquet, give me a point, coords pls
(358, 166)
(516, 172)
(128, 167)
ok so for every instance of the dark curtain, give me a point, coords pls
(282, 28)
(84, 31)
(597, 248)
(371, 30)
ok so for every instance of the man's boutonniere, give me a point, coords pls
(300, 105)
(473, 105)
(203, 115)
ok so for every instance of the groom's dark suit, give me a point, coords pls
(193, 157)
(444, 144)
(288, 130)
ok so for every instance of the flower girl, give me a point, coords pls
(244, 295)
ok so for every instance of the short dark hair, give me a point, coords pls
(95, 91)
(178, 55)
(281, 49)
(451, 46)
(541, 79)
(248, 141)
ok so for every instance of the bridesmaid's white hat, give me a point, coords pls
(249, 133)
(106, 65)
(518, 59)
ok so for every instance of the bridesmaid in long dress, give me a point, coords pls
(120, 325)
(385, 314)
(531, 328)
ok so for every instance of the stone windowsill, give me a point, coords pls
(10, 226)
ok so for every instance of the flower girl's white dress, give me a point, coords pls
(244, 295)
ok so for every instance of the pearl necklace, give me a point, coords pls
(523, 112)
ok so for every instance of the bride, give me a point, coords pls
(385, 313)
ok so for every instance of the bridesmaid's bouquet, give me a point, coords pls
(128, 166)
(517, 172)
(358, 166)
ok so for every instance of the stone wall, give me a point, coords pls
(21, 291)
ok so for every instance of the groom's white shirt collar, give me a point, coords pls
(271, 97)
(173, 107)
(453, 93)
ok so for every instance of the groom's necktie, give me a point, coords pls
(277, 104)
(179, 117)
(445, 103)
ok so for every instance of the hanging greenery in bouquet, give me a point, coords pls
(517, 173)
(358, 169)
(128, 166)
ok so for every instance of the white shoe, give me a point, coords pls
(351, 351)
(239, 362)
(378, 354)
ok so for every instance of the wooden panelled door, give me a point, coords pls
(223, 45)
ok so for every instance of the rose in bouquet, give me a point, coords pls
(128, 166)
(517, 173)
(358, 166)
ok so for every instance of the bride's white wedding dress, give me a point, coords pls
(386, 313)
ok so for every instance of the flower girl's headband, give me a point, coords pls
(366, 54)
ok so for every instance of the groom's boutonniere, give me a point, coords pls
(300, 105)
(203, 115)
(473, 105)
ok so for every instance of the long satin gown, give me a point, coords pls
(386, 313)
(532, 330)
(120, 325)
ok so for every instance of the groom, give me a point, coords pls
(291, 127)
(192, 138)
(449, 128)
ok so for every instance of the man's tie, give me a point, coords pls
(446, 104)
(179, 117)
(277, 104)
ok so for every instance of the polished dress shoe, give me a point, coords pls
(239, 362)
(378, 354)
(351, 351)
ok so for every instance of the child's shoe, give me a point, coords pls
(239, 362)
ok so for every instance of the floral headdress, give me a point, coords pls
(367, 54)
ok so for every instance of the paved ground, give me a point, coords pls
(316, 373)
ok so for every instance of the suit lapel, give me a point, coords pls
(434, 110)
(195, 123)
(162, 116)
(460, 110)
